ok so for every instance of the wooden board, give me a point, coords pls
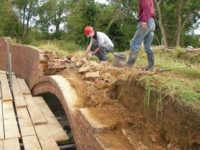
(2, 72)
(34, 110)
(43, 106)
(25, 123)
(23, 86)
(49, 144)
(10, 123)
(45, 139)
(1, 129)
(11, 128)
(31, 143)
(1, 145)
(11, 144)
(5, 88)
(8, 110)
(17, 92)
(1, 122)
(53, 127)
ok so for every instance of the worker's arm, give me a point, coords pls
(88, 49)
(96, 50)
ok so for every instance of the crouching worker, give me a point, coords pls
(100, 43)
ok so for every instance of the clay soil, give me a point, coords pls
(116, 91)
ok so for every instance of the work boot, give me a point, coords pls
(132, 58)
(150, 66)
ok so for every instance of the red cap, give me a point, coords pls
(88, 30)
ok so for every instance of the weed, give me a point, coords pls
(147, 98)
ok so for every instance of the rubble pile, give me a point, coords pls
(51, 62)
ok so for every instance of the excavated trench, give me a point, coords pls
(104, 106)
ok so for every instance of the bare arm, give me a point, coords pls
(88, 49)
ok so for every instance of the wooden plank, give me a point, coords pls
(53, 127)
(8, 110)
(34, 110)
(17, 92)
(49, 144)
(1, 129)
(11, 128)
(25, 123)
(23, 86)
(5, 88)
(10, 123)
(2, 72)
(11, 144)
(1, 121)
(43, 106)
(1, 145)
(31, 143)
(45, 139)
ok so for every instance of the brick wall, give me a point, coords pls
(25, 61)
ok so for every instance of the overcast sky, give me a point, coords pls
(102, 1)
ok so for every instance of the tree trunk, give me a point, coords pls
(23, 21)
(161, 23)
(179, 27)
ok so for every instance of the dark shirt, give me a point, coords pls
(146, 10)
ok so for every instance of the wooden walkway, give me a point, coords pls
(26, 122)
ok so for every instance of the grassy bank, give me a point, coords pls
(180, 78)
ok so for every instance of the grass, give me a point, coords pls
(61, 47)
(180, 81)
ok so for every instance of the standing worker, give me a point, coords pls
(145, 32)
(100, 43)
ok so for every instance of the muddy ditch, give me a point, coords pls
(145, 118)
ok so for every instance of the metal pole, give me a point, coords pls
(68, 147)
(9, 66)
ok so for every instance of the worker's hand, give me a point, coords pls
(144, 25)
(91, 55)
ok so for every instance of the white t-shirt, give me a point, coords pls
(102, 40)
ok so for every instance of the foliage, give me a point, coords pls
(30, 20)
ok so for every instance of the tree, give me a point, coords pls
(9, 24)
(176, 18)
(160, 21)
(81, 13)
(26, 10)
(52, 13)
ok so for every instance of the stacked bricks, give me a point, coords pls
(51, 62)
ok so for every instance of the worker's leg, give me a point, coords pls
(102, 54)
(135, 44)
(150, 55)
(147, 44)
